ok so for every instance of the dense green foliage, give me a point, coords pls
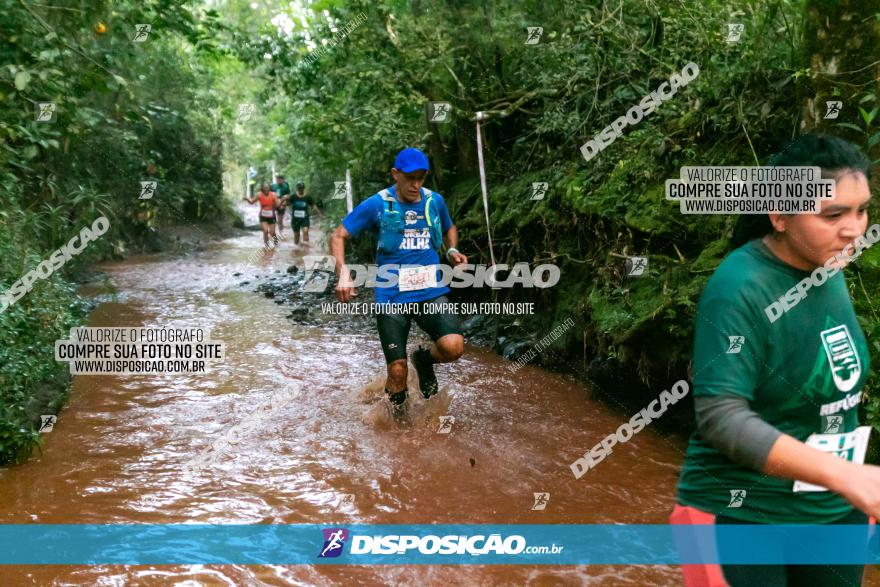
(125, 112)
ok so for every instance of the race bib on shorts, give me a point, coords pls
(851, 446)
(299, 213)
(267, 213)
(414, 278)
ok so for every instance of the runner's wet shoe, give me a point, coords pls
(398, 405)
(423, 363)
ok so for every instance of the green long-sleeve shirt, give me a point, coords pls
(802, 374)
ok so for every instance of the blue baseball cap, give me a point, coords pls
(411, 160)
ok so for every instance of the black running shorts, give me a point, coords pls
(394, 328)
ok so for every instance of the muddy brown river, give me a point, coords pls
(118, 451)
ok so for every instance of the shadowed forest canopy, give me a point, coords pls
(316, 89)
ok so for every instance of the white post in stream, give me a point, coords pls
(484, 116)
(348, 203)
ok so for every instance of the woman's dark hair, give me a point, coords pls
(831, 154)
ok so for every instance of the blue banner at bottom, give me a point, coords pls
(430, 544)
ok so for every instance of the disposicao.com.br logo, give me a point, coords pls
(412, 544)
(411, 277)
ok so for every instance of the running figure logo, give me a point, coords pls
(148, 189)
(737, 496)
(338, 190)
(317, 272)
(440, 111)
(541, 500)
(736, 344)
(334, 540)
(345, 498)
(245, 111)
(539, 188)
(533, 36)
(636, 266)
(47, 423)
(832, 109)
(46, 111)
(831, 424)
(446, 423)
(141, 32)
(734, 32)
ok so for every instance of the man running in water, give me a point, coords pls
(413, 224)
(268, 201)
(299, 207)
(282, 192)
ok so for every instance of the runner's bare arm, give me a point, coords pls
(859, 484)
(451, 240)
(344, 286)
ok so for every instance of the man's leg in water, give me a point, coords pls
(305, 234)
(393, 332)
(445, 330)
(295, 230)
(447, 349)
(265, 227)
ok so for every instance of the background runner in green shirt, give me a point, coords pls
(282, 191)
(761, 388)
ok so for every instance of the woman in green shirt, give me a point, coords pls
(779, 356)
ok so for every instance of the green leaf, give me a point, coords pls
(849, 125)
(21, 80)
(875, 138)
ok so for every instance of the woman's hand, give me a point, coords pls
(860, 485)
